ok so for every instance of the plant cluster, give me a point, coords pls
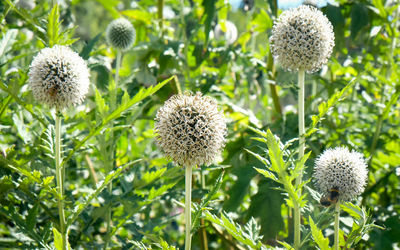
(178, 124)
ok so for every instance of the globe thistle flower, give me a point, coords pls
(58, 77)
(121, 34)
(230, 35)
(302, 39)
(342, 170)
(191, 131)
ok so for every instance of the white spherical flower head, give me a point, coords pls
(230, 35)
(302, 39)
(342, 170)
(191, 130)
(121, 34)
(58, 77)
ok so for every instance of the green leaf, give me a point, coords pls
(233, 229)
(149, 177)
(10, 213)
(209, 12)
(101, 104)
(79, 207)
(7, 42)
(85, 53)
(23, 104)
(205, 200)
(110, 6)
(359, 18)
(259, 157)
(322, 242)
(324, 107)
(57, 239)
(138, 15)
(142, 94)
(379, 5)
(32, 216)
(268, 174)
(53, 26)
(33, 176)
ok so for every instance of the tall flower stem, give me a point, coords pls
(337, 215)
(188, 199)
(110, 164)
(60, 180)
(297, 212)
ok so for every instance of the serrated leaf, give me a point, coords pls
(286, 245)
(233, 229)
(53, 26)
(11, 214)
(322, 242)
(353, 210)
(57, 239)
(142, 94)
(6, 43)
(149, 177)
(79, 207)
(101, 104)
(89, 46)
(267, 174)
(205, 200)
(32, 216)
(259, 157)
(324, 107)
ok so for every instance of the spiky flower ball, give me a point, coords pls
(191, 130)
(58, 77)
(302, 39)
(230, 34)
(343, 170)
(121, 34)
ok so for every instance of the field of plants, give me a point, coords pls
(199, 124)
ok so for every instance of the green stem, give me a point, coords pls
(118, 66)
(297, 212)
(188, 199)
(178, 85)
(337, 215)
(60, 180)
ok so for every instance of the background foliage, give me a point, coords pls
(237, 207)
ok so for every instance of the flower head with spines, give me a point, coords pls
(120, 34)
(190, 129)
(340, 169)
(58, 77)
(302, 39)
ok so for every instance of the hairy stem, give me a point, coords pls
(188, 199)
(337, 215)
(297, 212)
(60, 181)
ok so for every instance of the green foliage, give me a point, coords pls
(245, 200)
